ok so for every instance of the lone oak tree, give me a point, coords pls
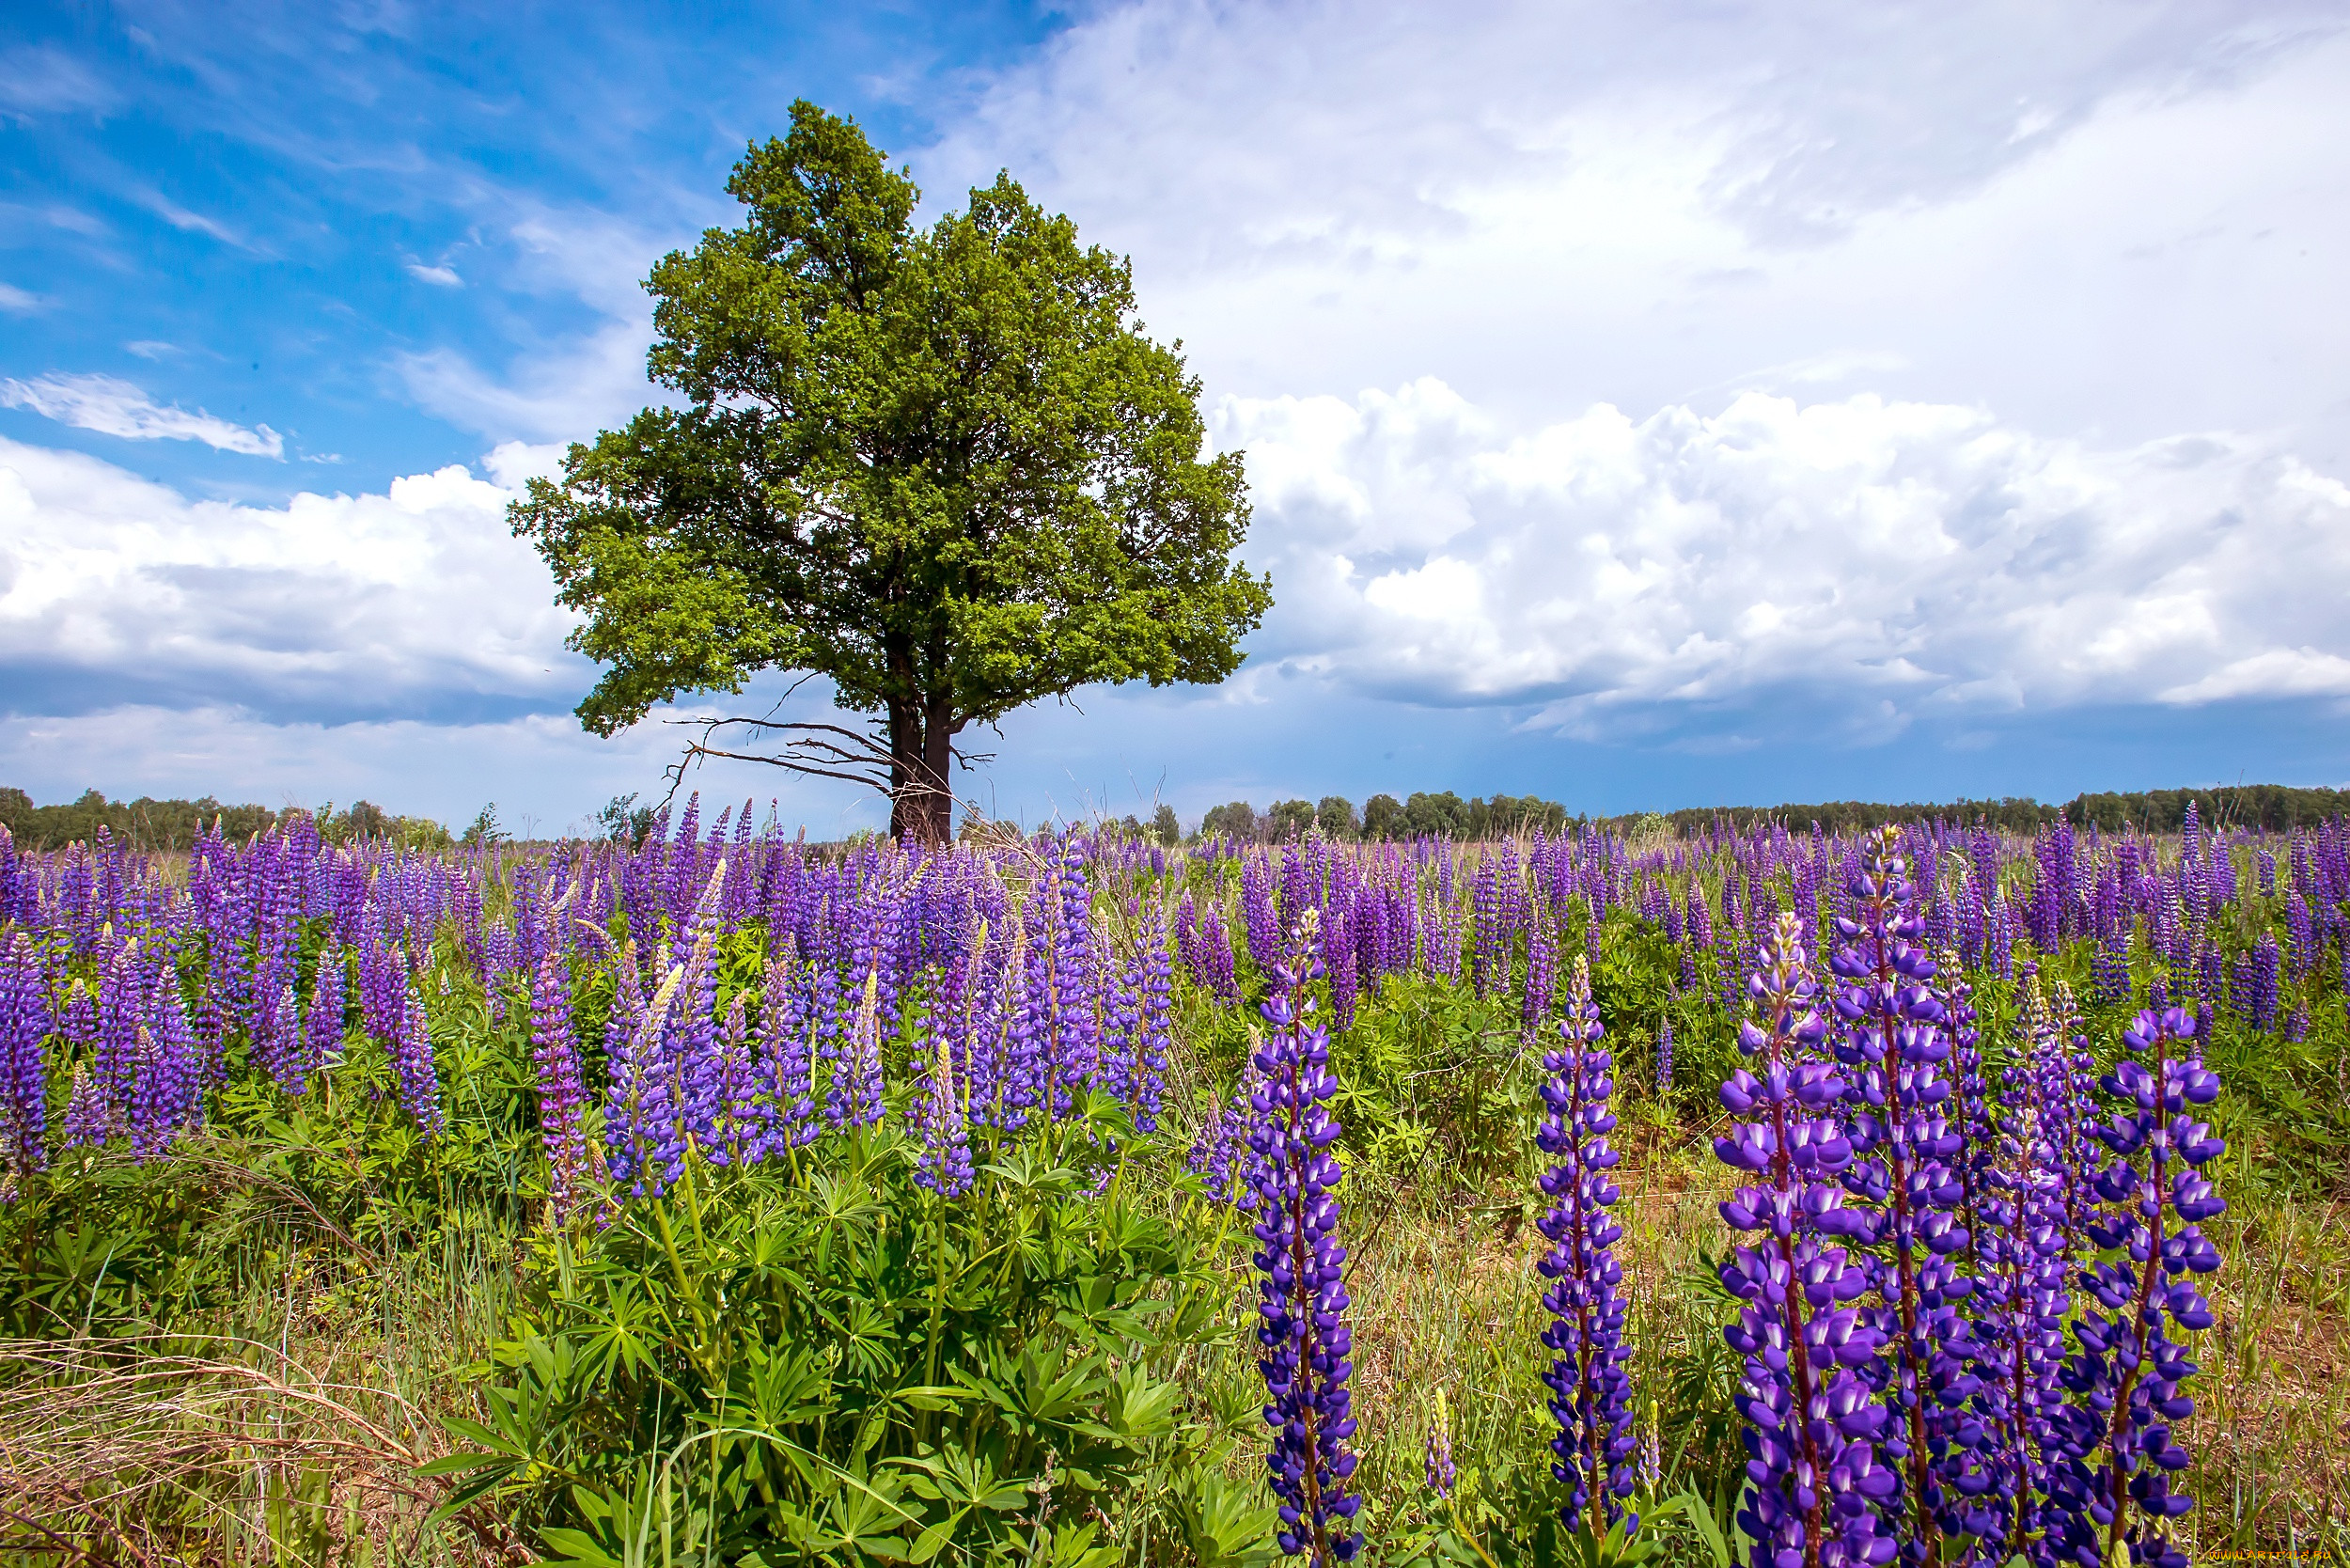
(944, 468)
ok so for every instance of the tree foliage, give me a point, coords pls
(944, 468)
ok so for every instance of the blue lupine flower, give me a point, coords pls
(2116, 1450)
(1303, 1300)
(1591, 1387)
(1812, 1408)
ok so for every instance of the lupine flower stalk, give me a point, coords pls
(1436, 1458)
(944, 1163)
(1813, 1413)
(1894, 1042)
(562, 1092)
(1303, 1299)
(24, 1021)
(1591, 1387)
(2118, 1451)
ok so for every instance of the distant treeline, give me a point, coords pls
(173, 824)
(149, 824)
(2273, 808)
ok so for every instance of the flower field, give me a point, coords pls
(1927, 1195)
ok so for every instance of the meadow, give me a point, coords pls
(716, 1198)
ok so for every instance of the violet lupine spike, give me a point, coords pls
(1591, 1387)
(1256, 902)
(629, 1109)
(740, 1137)
(2110, 1484)
(1302, 1301)
(1152, 983)
(412, 1064)
(1811, 1412)
(784, 1021)
(169, 1093)
(1436, 1458)
(943, 1118)
(1542, 959)
(562, 1089)
(1665, 1058)
(1220, 1154)
(861, 1102)
(2021, 1303)
(1893, 1043)
(323, 1022)
(25, 1022)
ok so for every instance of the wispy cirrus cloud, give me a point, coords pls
(115, 407)
(37, 80)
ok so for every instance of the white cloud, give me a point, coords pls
(573, 385)
(1618, 572)
(2109, 221)
(35, 80)
(415, 601)
(442, 277)
(188, 221)
(113, 407)
(20, 300)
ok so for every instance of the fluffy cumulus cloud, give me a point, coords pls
(1623, 576)
(414, 601)
(2117, 218)
(114, 407)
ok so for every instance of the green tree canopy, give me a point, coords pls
(944, 468)
(1335, 816)
(1290, 818)
(1234, 819)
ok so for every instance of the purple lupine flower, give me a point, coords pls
(1893, 1043)
(1436, 1459)
(1591, 1387)
(277, 1044)
(861, 1068)
(2021, 1300)
(1220, 1154)
(1302, 1298)
(1540, 975)
(784, 1021)
(740, 1136)
(2116, 1450)
(87, 1123)
(412, 1063)
(632, 1113)
(1155, 990)
(322, 1024)
(24, 1021)
(562, 1089)
(943, 1118)
(1489, 963)
(1216, 970)
(1256, 902)
(168, 1096)
(2302, 944)
(1665, 1058)
(1811, 1411)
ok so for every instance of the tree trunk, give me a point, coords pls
(920, 806)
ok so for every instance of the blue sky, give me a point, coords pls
(1645, 405)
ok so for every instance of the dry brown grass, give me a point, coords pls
(177, 1449)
